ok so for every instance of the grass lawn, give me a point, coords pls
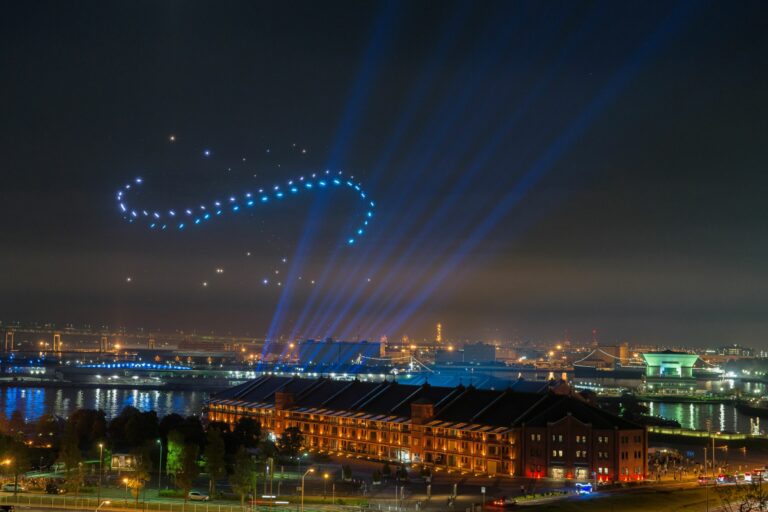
(687, 500)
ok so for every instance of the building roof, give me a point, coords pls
(455, 407)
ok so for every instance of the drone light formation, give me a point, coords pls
(190, 217)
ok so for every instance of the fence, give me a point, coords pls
(73, 503)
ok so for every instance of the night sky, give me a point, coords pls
(537, 167)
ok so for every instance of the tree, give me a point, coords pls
(743, 498)
(185, 478)
(48, 429)
(16, 454)
(90, 428)
(242, 476)
(213, 458)
(142, 467)
(168, 423)
(70, 455)
(174, 452)
(290, 441)
(247, 432)
(132, 428)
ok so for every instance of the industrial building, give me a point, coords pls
(332, 352)
(464, 429)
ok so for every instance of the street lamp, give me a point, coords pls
(101, 504)
(160, 467)
(101, 460)
(325, 484)
(310, 470)
(125, 481)
(8, 462)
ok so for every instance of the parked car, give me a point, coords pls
(7, 508)
(197, 496)
(706, 480)
(12, 488)
(53, 488)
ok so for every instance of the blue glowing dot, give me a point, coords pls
(321, 183)
(279, 194)
(181, 226)
(188, 211)
(369, 214)
(308, 185)
(122, 207)
(264, 199)
(207, 216)
(235, 208)
(156, 215)
(206, 152)
(134, 214)
(138, 181)
(294, 189)
(351, 241)
(336, 182)
(171, 213)
(250, 203)
(359, 231)
(152, 225)
(164, 226)
(217, 203)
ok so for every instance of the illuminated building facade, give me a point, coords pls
(461, 429)
(670, 372)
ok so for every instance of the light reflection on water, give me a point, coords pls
(33, 402)
(723, 417)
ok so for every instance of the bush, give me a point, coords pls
(171, 493)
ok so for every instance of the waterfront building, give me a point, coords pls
(462, 429)
(334, 352)
(670, 372)
(470, 353)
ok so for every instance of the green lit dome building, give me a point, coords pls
(669, 370)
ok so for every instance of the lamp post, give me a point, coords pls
(102, 503)
(101, 460)
(160, 468)
(325, 484)
(310, 470)
(125, 481)
(8, 462)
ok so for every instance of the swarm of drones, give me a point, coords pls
(189, 217)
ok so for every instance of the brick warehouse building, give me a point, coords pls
(464, 429)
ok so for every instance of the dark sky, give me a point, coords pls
(537, 167)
